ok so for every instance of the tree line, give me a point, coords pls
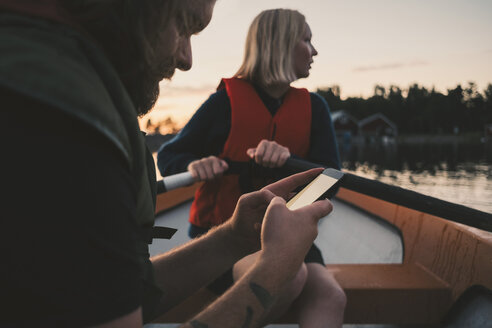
(421, 110)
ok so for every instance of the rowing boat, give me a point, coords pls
(402, 258)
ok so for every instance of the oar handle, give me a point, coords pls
(175, 181)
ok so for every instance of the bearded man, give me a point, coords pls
(74, 77)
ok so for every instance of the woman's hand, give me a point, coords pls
(269, 153)
(207, 168)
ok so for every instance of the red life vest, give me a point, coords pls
(251, 122)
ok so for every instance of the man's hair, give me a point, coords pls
(129, 33)
(271, 39)
(126, 31)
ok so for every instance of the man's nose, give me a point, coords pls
(184, 56)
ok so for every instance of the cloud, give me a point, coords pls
(389, 66)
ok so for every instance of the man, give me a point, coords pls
(74, 76)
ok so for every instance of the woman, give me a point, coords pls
(258, 115)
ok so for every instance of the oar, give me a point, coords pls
(174, 181)
(184, 179)
(393, 194)
(411, 199)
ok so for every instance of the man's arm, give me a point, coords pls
(246, 303)
(285, 238)
(184, 270)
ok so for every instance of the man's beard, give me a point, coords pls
(144, 88)
(145, 96)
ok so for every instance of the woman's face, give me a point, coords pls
(304, 52)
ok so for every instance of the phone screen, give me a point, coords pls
(315, 189)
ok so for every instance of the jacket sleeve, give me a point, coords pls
(323, 149)
(204, 135)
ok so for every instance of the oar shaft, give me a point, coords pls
(404, 197)
(447, 210)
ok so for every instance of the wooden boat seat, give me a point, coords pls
(392, 293)
(376, 293)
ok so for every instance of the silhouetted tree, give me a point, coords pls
(379, 90)
(332, 96)
(419, 110)
(488, 104)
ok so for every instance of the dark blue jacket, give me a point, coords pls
(207, 131)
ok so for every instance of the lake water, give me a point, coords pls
(454, 171)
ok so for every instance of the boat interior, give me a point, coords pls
(399, 267)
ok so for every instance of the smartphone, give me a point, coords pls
(323, 186)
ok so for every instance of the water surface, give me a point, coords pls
(455, 172)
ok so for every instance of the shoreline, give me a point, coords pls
(420, 138)
(472, 138)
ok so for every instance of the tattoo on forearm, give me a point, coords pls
(262, 295)
(198, 324)
(249, 317)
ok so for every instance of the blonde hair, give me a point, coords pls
(271, 39)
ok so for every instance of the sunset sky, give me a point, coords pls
(361, 43)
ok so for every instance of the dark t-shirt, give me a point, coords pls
(68, 237)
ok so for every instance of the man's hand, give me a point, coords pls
(250, 210)
(269, 153)
(287, 235)
(245, 223)
(207, 168)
